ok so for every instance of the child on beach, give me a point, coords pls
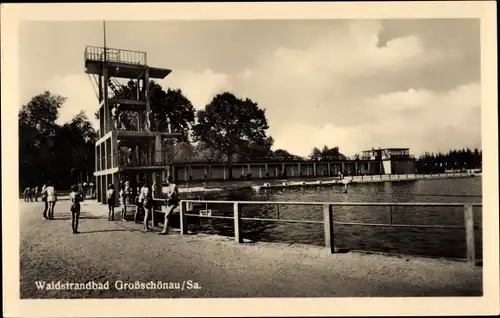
(75, 198)
(111, 202)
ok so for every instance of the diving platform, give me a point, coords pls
(120, 63)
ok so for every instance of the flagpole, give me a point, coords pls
(105, 81)
(104, 33)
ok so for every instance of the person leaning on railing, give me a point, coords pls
(172, 201)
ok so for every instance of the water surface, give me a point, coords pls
(433, 242)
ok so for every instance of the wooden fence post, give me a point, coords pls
(183, 218)
(237, 220)
(328, 227)
(469, 234)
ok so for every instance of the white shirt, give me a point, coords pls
(172, 190)
(51, 193)
(144, 193)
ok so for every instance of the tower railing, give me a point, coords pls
(142, 159)
(96, 53)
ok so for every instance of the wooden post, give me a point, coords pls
(278, 210)
(469, 234)
(237, 220)
(183, 219)
(328, 227)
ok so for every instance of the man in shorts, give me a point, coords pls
(110, 195)
(145, 196)
(172, 202)
(75, 197)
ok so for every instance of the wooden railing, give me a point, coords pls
(96, 53)
(186, 209)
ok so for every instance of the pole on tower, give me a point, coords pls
(105, 81)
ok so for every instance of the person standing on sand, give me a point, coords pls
(85, 187)
(51, 194)
(145, 197)
(123, 201)
(35, 193)
(111, 202)
(30, 194)
(172, 202)
(91, 188)
(75, 198)
(44, 199)
(26, 194)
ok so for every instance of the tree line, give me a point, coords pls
(457, 159)
(229, 129)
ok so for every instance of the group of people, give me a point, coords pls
(30, 194)
(143, 202)
(47, 194)
(120, 123)
(49, 197)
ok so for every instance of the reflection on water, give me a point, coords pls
(418, 241)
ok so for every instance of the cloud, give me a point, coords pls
(199, 87)
(423, 120)
(80, 94)
(299, 138)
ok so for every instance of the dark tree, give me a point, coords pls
(171, 104)
(48, 151)
(281, 154)
(37, 129)
(327, 153)
(259, 150)
(231, 125)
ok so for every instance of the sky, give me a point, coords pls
(355, 84)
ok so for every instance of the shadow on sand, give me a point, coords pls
(115, 230)
(68, 218)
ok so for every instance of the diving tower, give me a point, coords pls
(129, 147)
